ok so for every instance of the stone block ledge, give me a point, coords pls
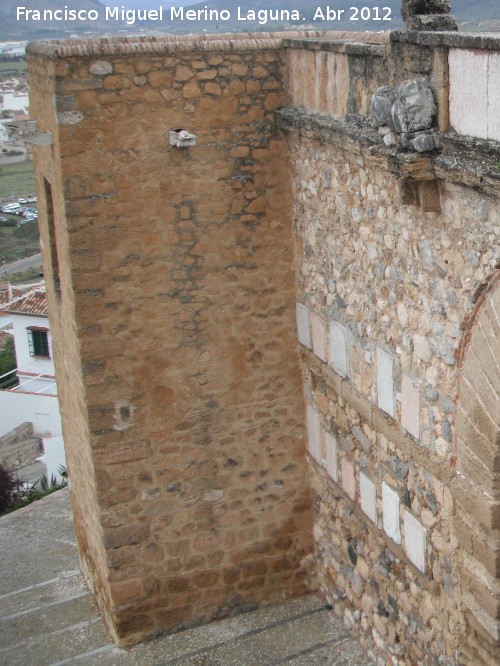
(489, 41)
(338, 46)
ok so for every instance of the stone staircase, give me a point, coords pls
(48, 617)
(19, 447)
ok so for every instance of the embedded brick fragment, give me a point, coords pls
(303, 325)
(314, 434)
(368, 497)
(386, 393)
(390, 508)
(410, 406)
(415, 540)
(348, 478)
(318, 331)
(338, 354)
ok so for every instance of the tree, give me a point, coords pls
(8, 363)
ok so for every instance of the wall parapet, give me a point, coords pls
(351, 47)
(156, 45)
(458, 40)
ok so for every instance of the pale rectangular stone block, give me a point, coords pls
(322, 76)
(313, 434)
(293, 78)
(469, 92)
(386, 392)
(337, 346)
(410, 406)
(337, 85)
(331, 456)
(415, 540)
(318, 336)
(368, 495)
(303, 325)
(348, 478)
(494, 96)
(309, 81)
(390, 508)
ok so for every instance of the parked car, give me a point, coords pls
(31, 199)
(9, 208)
(22, 201)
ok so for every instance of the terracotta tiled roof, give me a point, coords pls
(32, 303)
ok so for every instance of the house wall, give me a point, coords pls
(42, 411)
(187, 408)
(15, 102)
(176, 275)
(25, 361)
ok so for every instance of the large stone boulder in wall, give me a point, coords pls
(414, 107)
(405, 116)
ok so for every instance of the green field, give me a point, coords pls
(18, 242)
(16, 180)
(10, 68)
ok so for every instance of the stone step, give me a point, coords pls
(25, 625)
(87, 636)
(47, 618)
(59, 589)
(301, 632)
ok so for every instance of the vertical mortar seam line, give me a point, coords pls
(39, 608)
(345, 638)
(43, 637)
(247, 634)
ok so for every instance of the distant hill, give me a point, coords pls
(348, 15)
(9, 22)
(480, 14)
(465, 10)
(477, 15)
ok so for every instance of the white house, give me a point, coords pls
(15, 101)
(35, 398)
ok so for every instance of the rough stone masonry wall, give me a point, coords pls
(57, 264)
(183, 405)
(183, 419)
(385, 293)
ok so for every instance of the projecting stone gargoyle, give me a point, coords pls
(405, 116)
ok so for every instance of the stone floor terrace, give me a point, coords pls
(48, 617)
